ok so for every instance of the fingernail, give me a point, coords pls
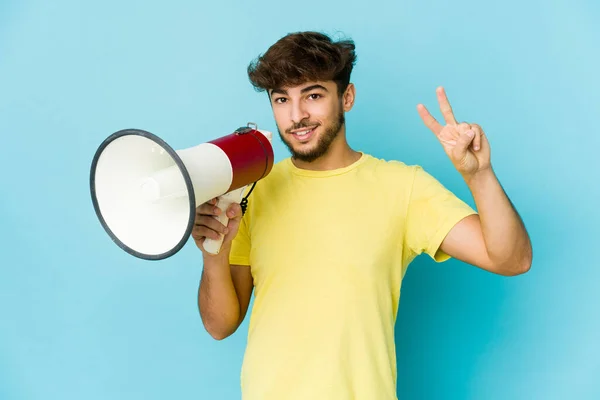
(470, 133)
(216, 210)
(226, 231)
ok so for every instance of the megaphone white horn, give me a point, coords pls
(145, 193)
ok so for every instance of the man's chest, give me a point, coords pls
(326, 231)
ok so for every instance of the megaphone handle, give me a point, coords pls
(213, 246)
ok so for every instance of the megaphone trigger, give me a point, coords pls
(223, 202)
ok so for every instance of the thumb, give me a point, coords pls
(234, 213)
(463, 143)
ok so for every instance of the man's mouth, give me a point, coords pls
(303, 134)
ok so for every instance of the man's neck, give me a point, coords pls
(337, 157)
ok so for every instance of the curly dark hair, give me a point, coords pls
(302, 57)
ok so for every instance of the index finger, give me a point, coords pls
(445, 106)
(429, 120)
(207, 208)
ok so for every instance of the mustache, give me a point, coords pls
(301, 125)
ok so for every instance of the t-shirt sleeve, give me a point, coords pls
(432, 212)
(240, 246)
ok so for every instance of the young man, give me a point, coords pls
(329, 233)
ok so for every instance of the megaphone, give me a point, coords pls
(145, 193)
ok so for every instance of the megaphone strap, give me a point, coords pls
(244, 202)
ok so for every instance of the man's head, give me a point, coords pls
(307, 78)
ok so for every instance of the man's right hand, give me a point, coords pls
(207, 226)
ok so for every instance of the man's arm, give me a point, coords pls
(495, 240)
(225, 290)
(224, 295)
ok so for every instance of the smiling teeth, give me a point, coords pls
(303, 132)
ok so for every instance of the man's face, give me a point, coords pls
(309, 117)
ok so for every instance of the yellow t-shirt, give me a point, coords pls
(328, 251)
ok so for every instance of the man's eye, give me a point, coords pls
(280, 100)
(314, 96)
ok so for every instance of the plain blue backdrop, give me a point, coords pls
(81, 319)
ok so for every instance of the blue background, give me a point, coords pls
(81, 319)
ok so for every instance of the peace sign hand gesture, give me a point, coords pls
(465, 144)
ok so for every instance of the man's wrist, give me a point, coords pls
(222, 256)
(479, 178)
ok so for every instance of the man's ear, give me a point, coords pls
(348, 97)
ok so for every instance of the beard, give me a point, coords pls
(323, 141)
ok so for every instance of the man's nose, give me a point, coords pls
(298, 113)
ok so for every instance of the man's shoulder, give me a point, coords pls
(278, 173)
(279, 169)
(394, 168)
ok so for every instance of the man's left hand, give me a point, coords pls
(465, 143)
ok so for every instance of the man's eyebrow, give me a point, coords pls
(312, 87)
(306, 89)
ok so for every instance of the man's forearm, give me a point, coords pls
(506, 239)
(217, 299)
